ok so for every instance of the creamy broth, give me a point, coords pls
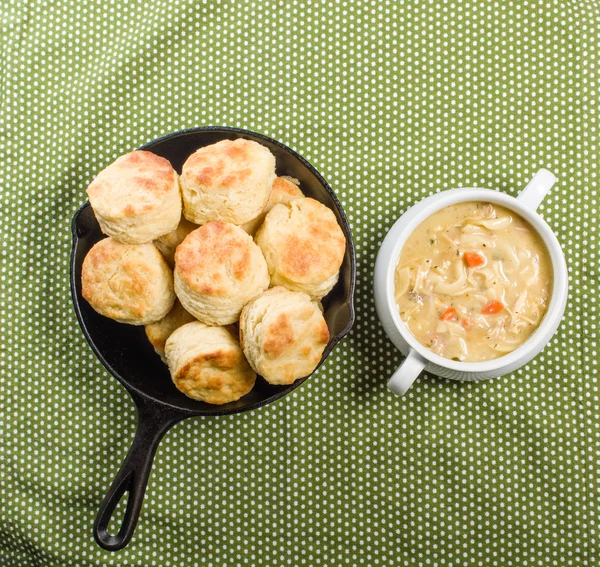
(473, 281)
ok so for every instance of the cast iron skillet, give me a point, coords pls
(128, 356)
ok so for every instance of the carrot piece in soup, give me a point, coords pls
(492, 307)
(449, 314)
(467, 324)
(474, 259)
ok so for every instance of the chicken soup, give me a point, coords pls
(473, 281)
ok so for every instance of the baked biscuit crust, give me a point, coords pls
(168, 243)
(284, 190)
(130, 283)
(159, 332)
(136, 199)
(229, 181)
(283, 335)
(207, 364)
(304, 246)
(218, 269)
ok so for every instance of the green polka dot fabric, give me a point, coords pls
(391, 101)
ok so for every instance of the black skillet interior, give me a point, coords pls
(124, 349)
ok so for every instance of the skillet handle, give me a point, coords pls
(153, 422)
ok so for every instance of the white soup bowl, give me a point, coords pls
(418, 357)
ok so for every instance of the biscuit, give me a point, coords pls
(218, 269)
(159, 332)
(168, 243)
(283, 191)
(228, 181)
(283, 335)
(207, 364)
(304, 246)
(130, 283)
(136, 199)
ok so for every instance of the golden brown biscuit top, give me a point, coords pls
(207, 363)
(122, 279)
(220, 359)
(305, 240)
(215, 258)
(279, 332)
(222, 165)
(283, 334)
(283, 191)
(134, 184)
(284, 188)
(280, 336)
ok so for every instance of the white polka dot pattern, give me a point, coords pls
(391, 102)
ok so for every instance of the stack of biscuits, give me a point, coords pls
(225, 266)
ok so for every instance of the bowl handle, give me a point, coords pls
(406, 373)
(537, 189)
(154, 421)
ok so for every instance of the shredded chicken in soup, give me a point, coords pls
(473, 282)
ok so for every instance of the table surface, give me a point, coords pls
(391, 102)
